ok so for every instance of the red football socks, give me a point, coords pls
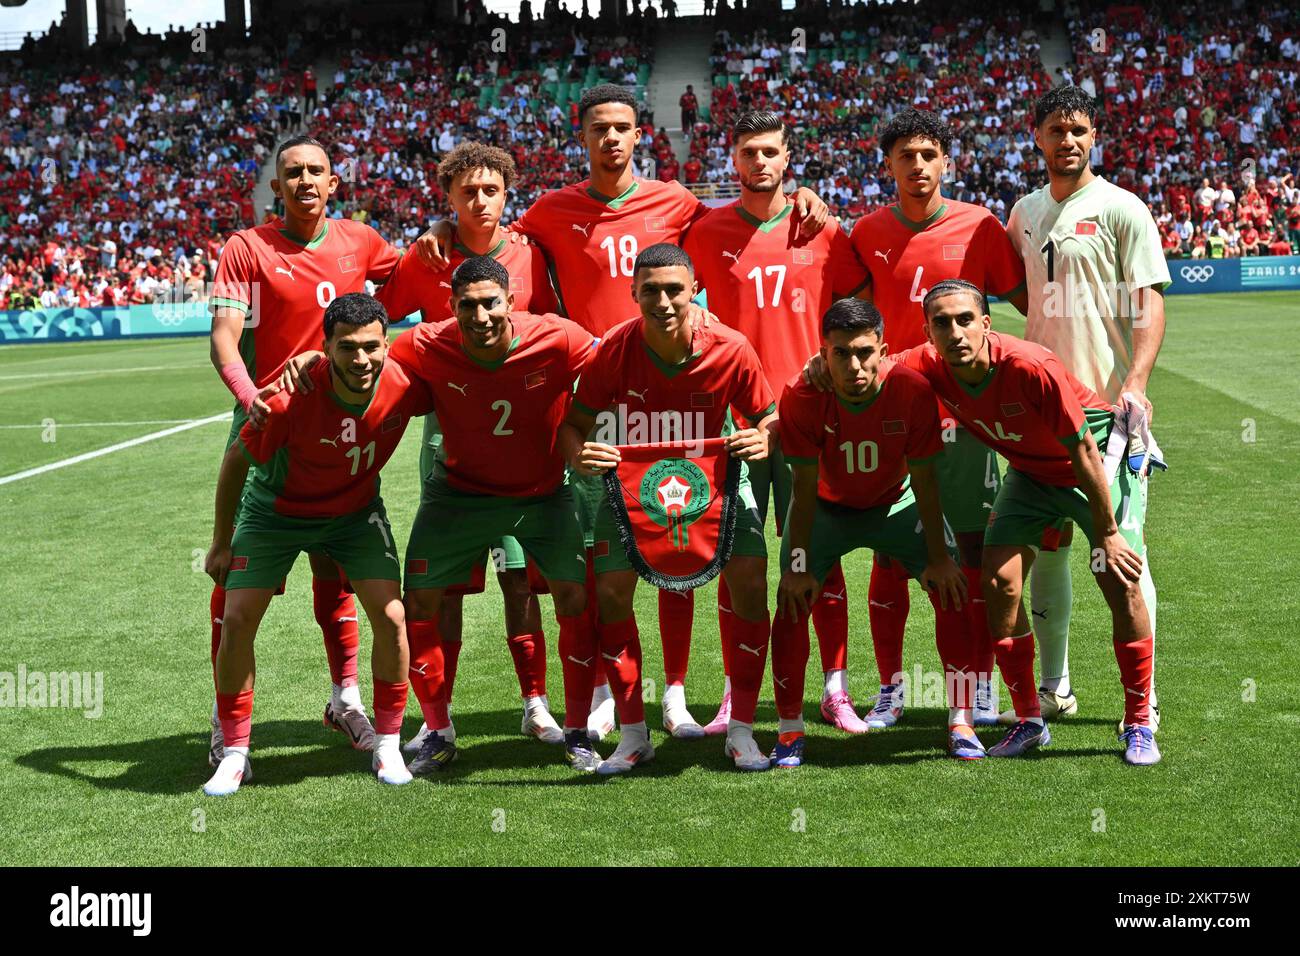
(1015, 656)
(235, 711)
(676, 618)
(336, 613)
(748, 660)
(426, 673)
(789, 663)
(1136, 659)
(977, 619)
(620, 648)
(528, 651)
(578, 657)
(956, 653)
(830, 617)
(390, 705)
(887, 607)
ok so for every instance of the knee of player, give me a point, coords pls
(999, 585)
(420, 605)
(749, 597)
(570, 598)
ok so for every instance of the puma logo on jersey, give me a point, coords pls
(640, 395)
(1029, 234)
(582, 229)
(829, 429)
(756, 651)
(332, 442)
(733, 256)
(288, 272)
(586, 663)
(459, 388)
(884, 255)
(445, 285)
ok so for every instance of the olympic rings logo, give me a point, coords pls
(1196, 273)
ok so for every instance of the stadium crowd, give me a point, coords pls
(121, 172)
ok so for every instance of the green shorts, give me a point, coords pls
(1028, 512)
(453, 529)
(890, 530)
(969, 477)
(506, 554)
(771, 479)
(749, 540)
(588, 495)
(266, 545)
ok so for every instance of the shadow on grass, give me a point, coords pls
(178, 763)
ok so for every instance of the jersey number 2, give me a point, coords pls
(501, 429)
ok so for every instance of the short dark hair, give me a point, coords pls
(660, 255)
(759, 121)
(853, 315)
(471, 155)
(1065, 99)
(913, 122)
(302, 140)
(953, 287)
(479, 269)
(354, 309)
(604, 93)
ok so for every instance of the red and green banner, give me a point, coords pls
(675, 508)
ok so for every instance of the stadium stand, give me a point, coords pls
(121, 175)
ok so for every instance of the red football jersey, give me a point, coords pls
(773, 288)
(499, 421)
(861, 450)
(592, 242)
(723, 371)
(286, 285)
(318, 456)
(1024, 410)
(906, 259)
(414, 287)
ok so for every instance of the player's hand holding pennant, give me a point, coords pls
(675, 508)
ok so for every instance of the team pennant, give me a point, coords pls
(675, 511)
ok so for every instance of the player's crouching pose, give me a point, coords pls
(864, 459)
(316, 489)
(1018, 398)
(680, 372)
(501, 381)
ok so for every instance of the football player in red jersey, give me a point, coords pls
(679, 371)
(318, 455)
(501, 380)
(1019, 399)
(864, 457)
(272, 284)
(771, 284)
(908, 246)
(475, 178)
(592, 233)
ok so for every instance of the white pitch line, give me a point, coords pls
(75, 459)
(99, 371)
(156, 421)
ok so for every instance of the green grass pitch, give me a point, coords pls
(98, 573)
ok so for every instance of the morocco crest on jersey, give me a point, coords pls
(675, 508)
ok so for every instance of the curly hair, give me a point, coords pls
(471, 155)
(1068, 100)
(914, 122)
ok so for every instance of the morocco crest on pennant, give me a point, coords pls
(675, 508)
